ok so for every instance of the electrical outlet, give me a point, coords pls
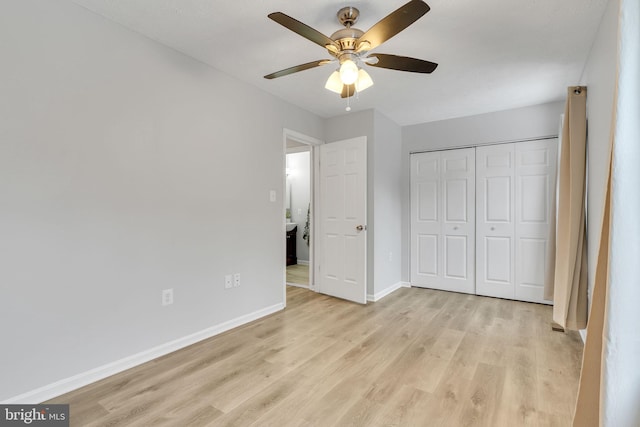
(167, 297)
(236, 280)
(228, 282)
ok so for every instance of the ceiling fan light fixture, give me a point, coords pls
(334, 83)
(351, 47)
(348, 72)
(364, 80)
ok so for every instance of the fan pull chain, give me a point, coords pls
(348, 103)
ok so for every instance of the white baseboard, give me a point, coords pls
(303, 262)
(383, 293)
(85, 378)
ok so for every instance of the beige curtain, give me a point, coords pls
(588, 403)
(570, 279)
(609, 391)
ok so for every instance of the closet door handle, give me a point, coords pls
(493, 228)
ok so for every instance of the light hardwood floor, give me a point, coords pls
(416, 358)
(298, 274)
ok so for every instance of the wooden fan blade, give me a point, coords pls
(393, 23)
(297, 68)
(348, 90)
(303, 29)
(403, 63)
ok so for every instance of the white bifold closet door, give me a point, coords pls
(443, 220)
(495, 222)
(536, 164)
(515, 208)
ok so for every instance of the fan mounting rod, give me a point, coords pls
(348, 16)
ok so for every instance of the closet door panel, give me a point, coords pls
(495, 232)
(497, 191)
(426, 244)
(443, 220)
(458, 225)
(427, 256)
(455, 266)
(496, 248)
(535, 216)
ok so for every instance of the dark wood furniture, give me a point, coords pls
(291, 246)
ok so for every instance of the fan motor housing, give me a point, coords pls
(347, 38)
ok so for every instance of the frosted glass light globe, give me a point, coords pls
(348, 72)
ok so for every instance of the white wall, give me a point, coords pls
(126, 168)
(300, 180)
(599, 77)
(502, 126)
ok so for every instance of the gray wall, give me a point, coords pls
(387, 202)
(126, 168)
(502, 126)
(599, 77)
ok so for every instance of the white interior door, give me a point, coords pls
(534, 212)
(495, 194)
(343, 214)
(443, 220)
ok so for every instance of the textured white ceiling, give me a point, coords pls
(493, 54)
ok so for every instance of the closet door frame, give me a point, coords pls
(525, 228)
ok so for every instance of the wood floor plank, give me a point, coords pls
(417, 357)
(486, 396)
(307, 388)
(408, 407)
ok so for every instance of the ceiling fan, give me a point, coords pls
(351, 47)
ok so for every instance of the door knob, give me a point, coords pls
(455, 228)
(361, 227)
(493, 228)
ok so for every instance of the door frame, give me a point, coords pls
(313, 143)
